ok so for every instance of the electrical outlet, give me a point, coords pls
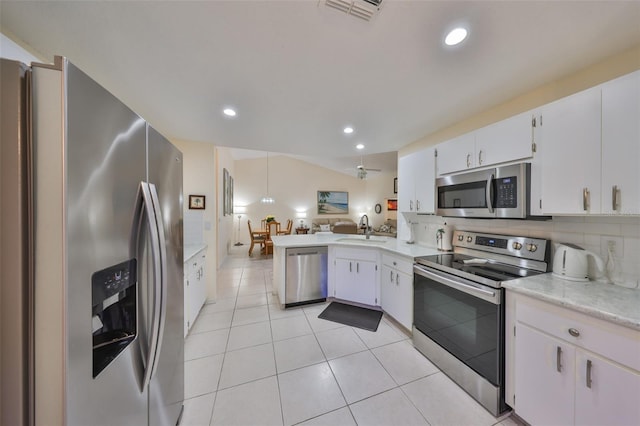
(616, 245)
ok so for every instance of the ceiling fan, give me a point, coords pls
(361, 170)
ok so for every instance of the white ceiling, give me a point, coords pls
(298, 71)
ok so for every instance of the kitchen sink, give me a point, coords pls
(373, 239)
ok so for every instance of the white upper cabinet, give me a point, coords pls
(591, 150)
(571, 154)
(506, 140)
(416, 182)
(621, 145)
(457, 154)
(501, 142)
(406, 183)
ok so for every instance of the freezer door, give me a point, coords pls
(166, 391)
(101, 153)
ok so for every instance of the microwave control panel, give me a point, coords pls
(507, 192)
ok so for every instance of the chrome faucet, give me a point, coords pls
(367, 230)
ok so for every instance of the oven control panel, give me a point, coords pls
(509, 245)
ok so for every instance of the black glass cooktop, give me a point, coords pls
(488, 269)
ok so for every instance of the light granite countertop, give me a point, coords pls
(598, 299)
(389, 244)
(191, 250)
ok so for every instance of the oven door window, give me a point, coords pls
(469, 328)
(463, 196)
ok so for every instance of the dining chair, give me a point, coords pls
(287, 230)
(273, 229)
(256, 238)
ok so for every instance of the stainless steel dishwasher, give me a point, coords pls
(306, 277)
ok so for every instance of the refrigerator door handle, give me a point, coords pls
(162, 246)
(157, 275)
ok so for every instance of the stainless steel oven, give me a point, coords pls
(459, 311)
(500, 192)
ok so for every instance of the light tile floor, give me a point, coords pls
(247, 362)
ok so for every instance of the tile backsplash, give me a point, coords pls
(591, 233)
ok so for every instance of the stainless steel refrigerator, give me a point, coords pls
(92, 256)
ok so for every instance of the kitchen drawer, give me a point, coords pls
(615, 342)
(194, 263)
(402, 264)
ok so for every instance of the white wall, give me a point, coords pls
(199, 179)
(12, 50)
(294, 184)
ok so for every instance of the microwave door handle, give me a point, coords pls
(489, 193)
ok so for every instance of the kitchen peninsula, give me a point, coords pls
(391, 290)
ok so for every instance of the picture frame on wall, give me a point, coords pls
(227, 193)
(197, 202)
(333, 202)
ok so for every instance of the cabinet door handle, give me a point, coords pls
(410, 205)
(391, 276)
(585, 199)
(357, 267)
(350, 264)
(574, 332)
(480, 157)
(417, 205)
(468, 160)
(589, 366)
(397, 279)
(559, 359)
(614, 197)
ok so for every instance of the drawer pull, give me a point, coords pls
(574, 332)
(589, 366)
(559, 359)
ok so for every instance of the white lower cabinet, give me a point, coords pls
(396, 289)
(356, 275)
(195, 288)
(545, 378)
(569, 368)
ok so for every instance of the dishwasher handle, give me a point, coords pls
(307, 251)
(303, 253)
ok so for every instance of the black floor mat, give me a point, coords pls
(355, 316)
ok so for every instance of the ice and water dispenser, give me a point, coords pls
(113, 312)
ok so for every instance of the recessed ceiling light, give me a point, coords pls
(455, 36)
(360, 146)
(348, 130)
(229, 112)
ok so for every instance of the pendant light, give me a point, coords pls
(267, 199)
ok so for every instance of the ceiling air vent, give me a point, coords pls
(363, 9)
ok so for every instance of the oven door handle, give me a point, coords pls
(465, 286)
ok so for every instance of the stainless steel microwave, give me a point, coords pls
(500, 192)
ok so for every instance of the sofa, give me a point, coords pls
(388, 229)
(337, 225)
